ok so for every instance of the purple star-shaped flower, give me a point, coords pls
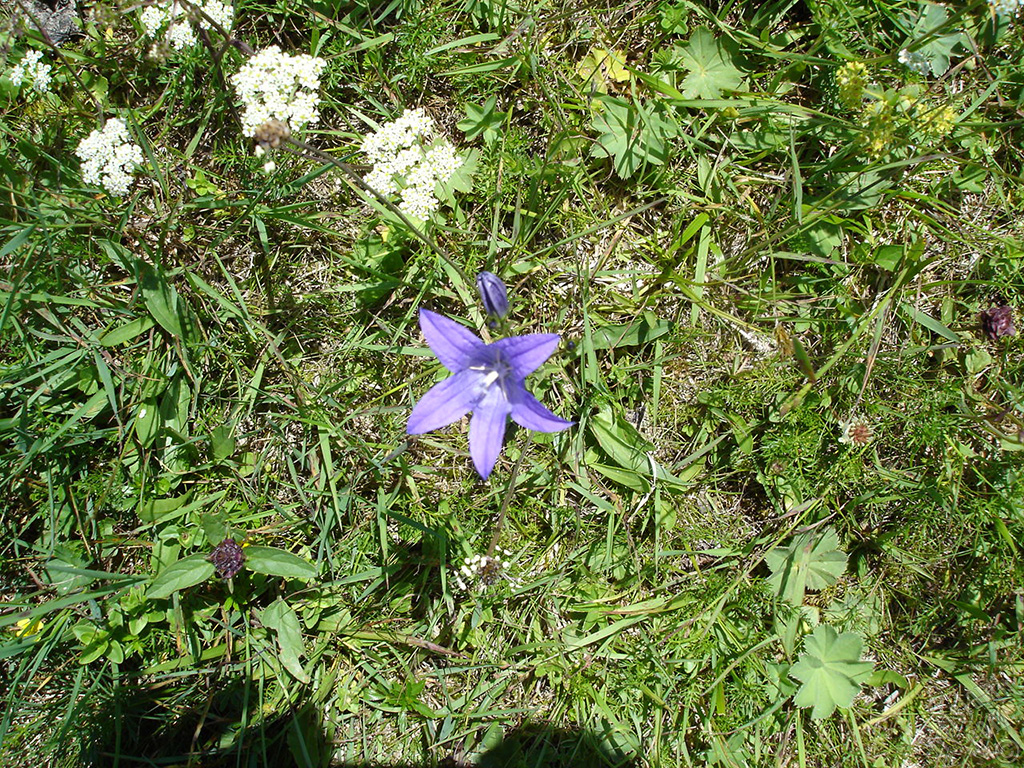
(489, 381)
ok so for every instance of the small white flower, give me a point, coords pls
(421, 176)
(1006, 7)
(109, 157)
(914, 61)
(181, 36)
(32, 69)
(481, 571)
(154, 17)
(275, 86)
(418, 202)
(222, 13)
(404, 162)
(444, 161)
(381, 181)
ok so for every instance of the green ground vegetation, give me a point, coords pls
(779, 241)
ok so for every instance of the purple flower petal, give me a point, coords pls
(529, 413)
(446, 402)
(487, 430)
(455, 346)
(488, 379)
(525, 354)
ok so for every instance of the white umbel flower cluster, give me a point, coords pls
(169, 20)
(1006, 7)
(109, 157)
(275, 86)
(405, 164)
(31, 69)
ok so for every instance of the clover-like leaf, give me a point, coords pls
(483, 119)
(810, 561)
(712, 65)
(601, 67)
(831, 671)
(630, 135)
(939, 44)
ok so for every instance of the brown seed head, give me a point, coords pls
(272, 133)
(857, 432)
(997, 322)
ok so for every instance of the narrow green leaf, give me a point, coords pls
(280, 617)
(612, 629)
(621, 441)
(992, 707)
(479, 39)
(634, 334)
(803, 360)
(930, 323)
(147, 422)
(126, 332)
(622, 477)
(17, 241)
(160, 298)
(187, 572)
(277, 562)
(487, 66)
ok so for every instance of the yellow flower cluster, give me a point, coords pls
(880, 119)
(937, 122)
(890, 118)
(852, 78)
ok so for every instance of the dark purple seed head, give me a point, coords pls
(997, 322)
(227, 557)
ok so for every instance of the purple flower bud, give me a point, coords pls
(997, 322)
(227, 557)
(493, 294)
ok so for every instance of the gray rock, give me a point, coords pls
(58, 22)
